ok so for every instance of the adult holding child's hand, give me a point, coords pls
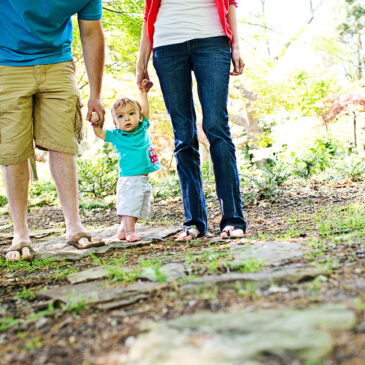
(199, 36)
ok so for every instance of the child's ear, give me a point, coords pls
(115, 124)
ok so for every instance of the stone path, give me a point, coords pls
(57, 249)
(237, 338)
(240, 337)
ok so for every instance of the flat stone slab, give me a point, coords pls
(57, 249)
(101, 293)
(168, 272)
(242, 337)
(270, 253)
(283, 275)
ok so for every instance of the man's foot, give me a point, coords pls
(83, 240)
(188, 235)
(232, 232)
(132, 237)
(21, 250)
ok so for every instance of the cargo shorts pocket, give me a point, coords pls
(78, 120)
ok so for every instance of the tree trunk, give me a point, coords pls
(33, 169)
(355, 134)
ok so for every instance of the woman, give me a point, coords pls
(199, 36)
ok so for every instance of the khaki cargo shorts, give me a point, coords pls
(39, 107)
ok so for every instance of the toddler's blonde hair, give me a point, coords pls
(122, 102)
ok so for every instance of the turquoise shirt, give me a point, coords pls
(136, 153)
(39, 32)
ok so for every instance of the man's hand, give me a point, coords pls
(95, 106)
(237, 61)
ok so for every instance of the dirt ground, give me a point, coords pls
(88, 335)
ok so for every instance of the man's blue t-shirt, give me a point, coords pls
(38, 32)
(136, 153)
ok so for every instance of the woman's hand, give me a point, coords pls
(237, 61)
(143, 80)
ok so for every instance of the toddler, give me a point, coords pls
(137, 158)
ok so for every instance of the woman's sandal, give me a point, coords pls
(190, 232)
(228, 232)
(24, 248)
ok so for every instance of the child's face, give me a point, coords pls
(127, 118)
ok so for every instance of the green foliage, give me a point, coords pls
(314, 159)
(99, 177)
(269, 178)
(166, 187)
(3, 200)
(122, 22)
(42, 193)
(353, 167)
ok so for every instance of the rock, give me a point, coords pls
(57, 249)
(278, 276)
(167, 272)
(101, 292)
(270, 253)
(240, 337)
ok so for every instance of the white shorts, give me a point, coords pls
(133, 196)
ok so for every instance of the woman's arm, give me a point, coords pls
(237, 61)
(144, 57)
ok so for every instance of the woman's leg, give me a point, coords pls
(173, 66)
(211, 62)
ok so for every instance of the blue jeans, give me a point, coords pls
(210, 59)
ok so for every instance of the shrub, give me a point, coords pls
(166, 187)
(99, 177)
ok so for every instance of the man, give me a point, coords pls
(40, 104)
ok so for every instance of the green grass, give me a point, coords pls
(250, 264)
(29, 266)
(340, 220)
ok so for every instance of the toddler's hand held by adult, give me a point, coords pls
(146, 85)
(95, 106)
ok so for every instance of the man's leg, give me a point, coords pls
(16, 180)
(64, 173)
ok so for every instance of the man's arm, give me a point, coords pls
(93, 45)
(237, 61)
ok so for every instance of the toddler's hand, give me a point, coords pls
(146, 85)
(94, 119)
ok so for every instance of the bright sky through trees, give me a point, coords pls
(285, 18)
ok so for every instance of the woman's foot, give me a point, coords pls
(188, 235)
(232, 232)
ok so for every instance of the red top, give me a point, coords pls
(151, 11)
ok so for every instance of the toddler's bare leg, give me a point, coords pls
(129, 227)
(121, 231)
